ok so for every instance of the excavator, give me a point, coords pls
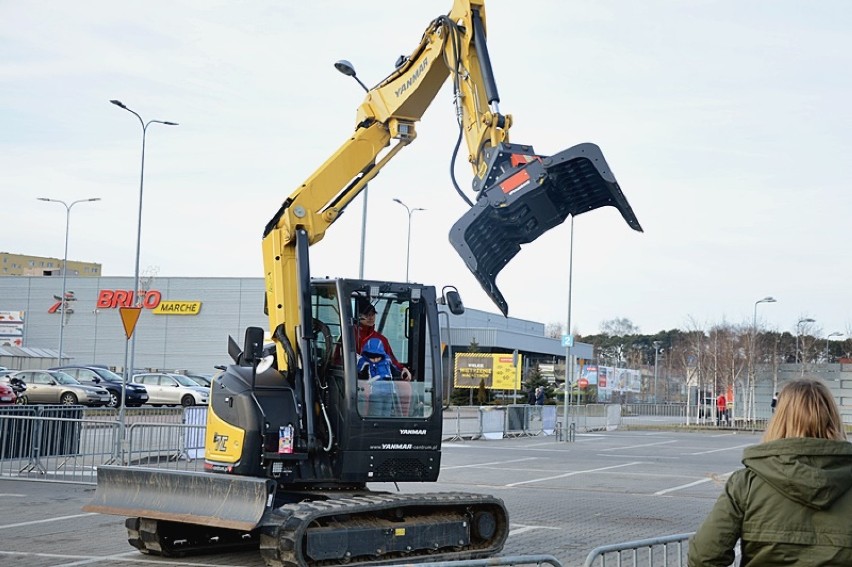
(294, 434)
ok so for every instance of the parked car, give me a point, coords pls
(8, 396)
(56, 387)
(172, 389)
(202, 380)
(135, 395)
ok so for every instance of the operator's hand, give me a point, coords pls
(406, 374)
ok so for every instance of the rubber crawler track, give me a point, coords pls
(283, 531)
(282, 541)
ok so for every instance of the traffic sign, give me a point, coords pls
(129, 316)
(567, 341)
(582, 383)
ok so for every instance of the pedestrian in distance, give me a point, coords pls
(539, 401)
(721, 409)
(792, 503)
(774, 403)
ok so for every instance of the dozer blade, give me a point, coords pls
(216, 500)
(527, 202)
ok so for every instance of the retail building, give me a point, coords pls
(185, 323)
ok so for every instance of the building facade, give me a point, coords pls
(185, 323)
(23, 265)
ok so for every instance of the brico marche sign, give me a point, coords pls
(151, 299)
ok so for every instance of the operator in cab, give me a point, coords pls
(366, 330)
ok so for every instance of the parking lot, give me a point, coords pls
(564, 499)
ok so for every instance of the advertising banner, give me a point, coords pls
(497, 371)
(609, 380)
(12, 328)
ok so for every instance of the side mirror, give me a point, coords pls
(454, 302)
(96, 380)
(253, 346)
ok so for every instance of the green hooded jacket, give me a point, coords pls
(790, 505)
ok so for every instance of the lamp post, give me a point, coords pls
(569, 362)
(798, 333)
(118, 103)
(656, 356)
(827, 340)
(408, 245)
(129, 357)
(752, 373)
(62, 302)
(348, 69)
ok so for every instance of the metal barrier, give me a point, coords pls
(499, 422)
(652, 552)
(54, 443)
(173, 446)
(68, 443)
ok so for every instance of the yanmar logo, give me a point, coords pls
(413, 78)
(389, 446)
(412, 432)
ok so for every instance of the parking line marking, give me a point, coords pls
(21, 524)
(643, 445)
(520, 529)
(573, 473)
(9, 494)
(639, 456)
(720, 450)
(696, 483)
(489, 464)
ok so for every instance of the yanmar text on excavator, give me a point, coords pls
(295, 433)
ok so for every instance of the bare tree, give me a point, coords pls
(619, 327)
(554, 330)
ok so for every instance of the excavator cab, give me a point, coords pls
(526, 195)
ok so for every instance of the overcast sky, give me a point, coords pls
(728, 125)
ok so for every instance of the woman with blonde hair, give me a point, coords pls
(792, 503)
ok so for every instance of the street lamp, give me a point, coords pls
(798, 333)
(65, 262)
(656, 353)
(768, 299)
(129, 365)
(348, 69)
(827, 340)
(569, 362)
(408, 246)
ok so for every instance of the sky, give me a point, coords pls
(727, 123)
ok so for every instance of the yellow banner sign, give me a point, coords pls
(177, 308)
(494, 371)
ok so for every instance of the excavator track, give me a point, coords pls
(380, 528)
(358, 528)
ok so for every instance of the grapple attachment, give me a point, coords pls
(527, 201)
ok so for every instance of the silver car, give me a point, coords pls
(172, 389)
(54, 387)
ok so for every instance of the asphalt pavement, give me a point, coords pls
(564, 499)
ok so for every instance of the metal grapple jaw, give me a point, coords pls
(531, 195)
